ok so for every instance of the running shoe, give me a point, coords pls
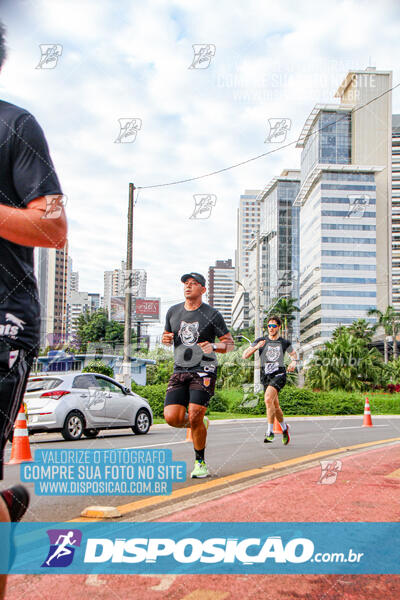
(269, 437)
(286, 436)
(200, 470)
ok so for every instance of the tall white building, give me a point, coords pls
(78, 303)
(221, 288)
(396, 212)
(115, 284)
(345, 199)
(52, 276)
(248, 219)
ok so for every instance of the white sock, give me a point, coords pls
(283, 425)
(270, 428)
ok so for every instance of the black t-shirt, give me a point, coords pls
(191, 327)
(26, 173)
(272, 354)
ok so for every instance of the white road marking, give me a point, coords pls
(152, 445)
(357, 427)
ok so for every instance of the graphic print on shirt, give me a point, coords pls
(189, 333)
(272, 355)
(11, 330)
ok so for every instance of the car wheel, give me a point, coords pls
(73, 426)
(91, 433)
(142, 422)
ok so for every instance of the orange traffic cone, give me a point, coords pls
(367, 422)
(277, 426)
(20, 450)
(189, 437)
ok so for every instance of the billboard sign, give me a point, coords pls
(144, 310)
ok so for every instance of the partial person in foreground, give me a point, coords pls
(192, 327)
(273, 373)
(31, 214)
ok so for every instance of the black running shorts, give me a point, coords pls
(15, 366)
(190, 387)
(276, 380)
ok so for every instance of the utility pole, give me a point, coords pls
(126, 366)
(257, 329)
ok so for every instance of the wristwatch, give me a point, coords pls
(214, 347)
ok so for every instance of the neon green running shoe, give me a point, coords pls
(286, 436)
(200, 470)
(269, 437)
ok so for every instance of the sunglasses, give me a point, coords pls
(273, 326)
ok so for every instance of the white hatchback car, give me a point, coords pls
(83, 403)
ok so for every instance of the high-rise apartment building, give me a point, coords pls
(115, 284)
(396, 212)
(279, 242)
(221, 288)
(78, 303)
(345, 192)
(52, 270)
(248, 219)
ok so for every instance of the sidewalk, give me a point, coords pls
(366, 489)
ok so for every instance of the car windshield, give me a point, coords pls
(36, 385)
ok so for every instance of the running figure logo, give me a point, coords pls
(203, 53)
(63, 543)
(203, 205)
(278, 129)
(329, 471)
(128, 129)
(189, 333)
(50, 53)
(54, 206)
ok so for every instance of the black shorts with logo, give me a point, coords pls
(189, 387)
(15, 366)
(276, 380)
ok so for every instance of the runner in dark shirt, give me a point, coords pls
(31, 214)
(273, 373)
(192, 327)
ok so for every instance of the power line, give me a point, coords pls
(244, 162)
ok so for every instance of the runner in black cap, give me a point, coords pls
(31, 214)
(192, 327)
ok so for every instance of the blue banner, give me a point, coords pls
(200, 548)
(84, 472)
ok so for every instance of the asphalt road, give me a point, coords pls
(232, 447)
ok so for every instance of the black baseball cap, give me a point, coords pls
(199, 278)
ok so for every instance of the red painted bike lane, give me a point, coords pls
(360, 487)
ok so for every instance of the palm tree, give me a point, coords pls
(389, 321)
(284, 308)
(362, 329)
(346, 362)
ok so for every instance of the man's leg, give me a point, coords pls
(269, 397)
(176, 402)
(199, 400)
(13, 379)
(281, 420)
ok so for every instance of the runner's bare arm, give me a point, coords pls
(251, 349)
(167, 338)
(293, 356)
(27, 227)
(226, 344)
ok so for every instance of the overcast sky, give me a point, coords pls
(130, 59)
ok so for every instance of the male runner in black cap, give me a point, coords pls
(31, 214)
(192, 327)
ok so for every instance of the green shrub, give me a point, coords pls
(218, 403)
(154, 394)
(97, 366)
